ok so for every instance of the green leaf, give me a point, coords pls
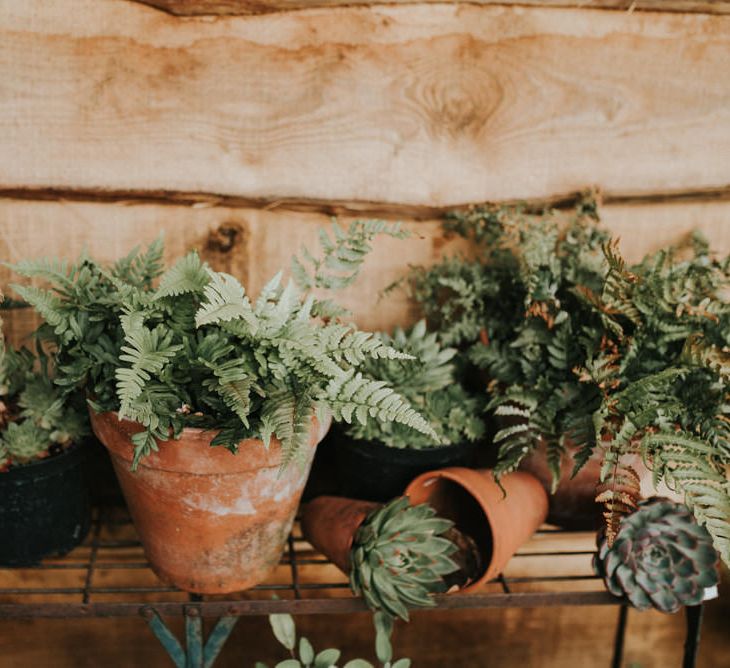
(327, 658)
(402, 663)
(284, 630)
(306, 652)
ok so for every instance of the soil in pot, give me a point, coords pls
(45, 509)
(375, 472)
(210, 521)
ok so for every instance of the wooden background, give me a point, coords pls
(241, 126)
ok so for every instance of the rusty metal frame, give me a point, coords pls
(302, 599)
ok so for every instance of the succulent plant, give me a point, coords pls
(660, 557)
(432, 385)
(25, 441)
(399, 557)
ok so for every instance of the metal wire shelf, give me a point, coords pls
(108, 576)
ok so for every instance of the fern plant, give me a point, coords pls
(432, 384)
(665, 383)
(192, 349)
(577, 347)
(518, 313)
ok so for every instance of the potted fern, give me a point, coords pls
(179, 361)
(45, 506)
(377, 460)
(598, 372)
(664, 377)
(517, 312)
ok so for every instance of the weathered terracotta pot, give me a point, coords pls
(329, 523)
(471, 498)
(210, 521)
(573, 505)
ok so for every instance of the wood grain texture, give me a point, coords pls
(254, 244)
(248, 7)
(250, 244)
(421, 104)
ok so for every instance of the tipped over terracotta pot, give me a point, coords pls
(471, 499)
(211, 522)
(329, 523)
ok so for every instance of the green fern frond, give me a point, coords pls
(225, 300)
(140, 269)
(189, 275)
(147, 351)
(343, 253)
(234, 384)
(353, 396)
(46, 302)
(46, 269)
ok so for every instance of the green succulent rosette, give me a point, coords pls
(661, 558)
(399, 557)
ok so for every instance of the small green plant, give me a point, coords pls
(303, 654)
(660, 558)
(431, 385)
(399, 557)
(188, 348)
(35, 419)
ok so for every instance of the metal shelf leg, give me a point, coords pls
(193, 637)
(196, 654)
(618, 641)
(694, 614)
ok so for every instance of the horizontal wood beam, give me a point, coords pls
(423, 105)
(388, 210)
(250, 7)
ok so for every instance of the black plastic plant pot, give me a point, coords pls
(372, 471)
(44, 508)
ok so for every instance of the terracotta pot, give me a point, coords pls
(471, 498)
(210, 521)
(329, 523)
(573, 504)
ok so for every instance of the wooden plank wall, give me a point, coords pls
(240, 135)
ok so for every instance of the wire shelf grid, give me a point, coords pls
(109, 576)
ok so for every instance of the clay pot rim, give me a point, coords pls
(197, 436)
